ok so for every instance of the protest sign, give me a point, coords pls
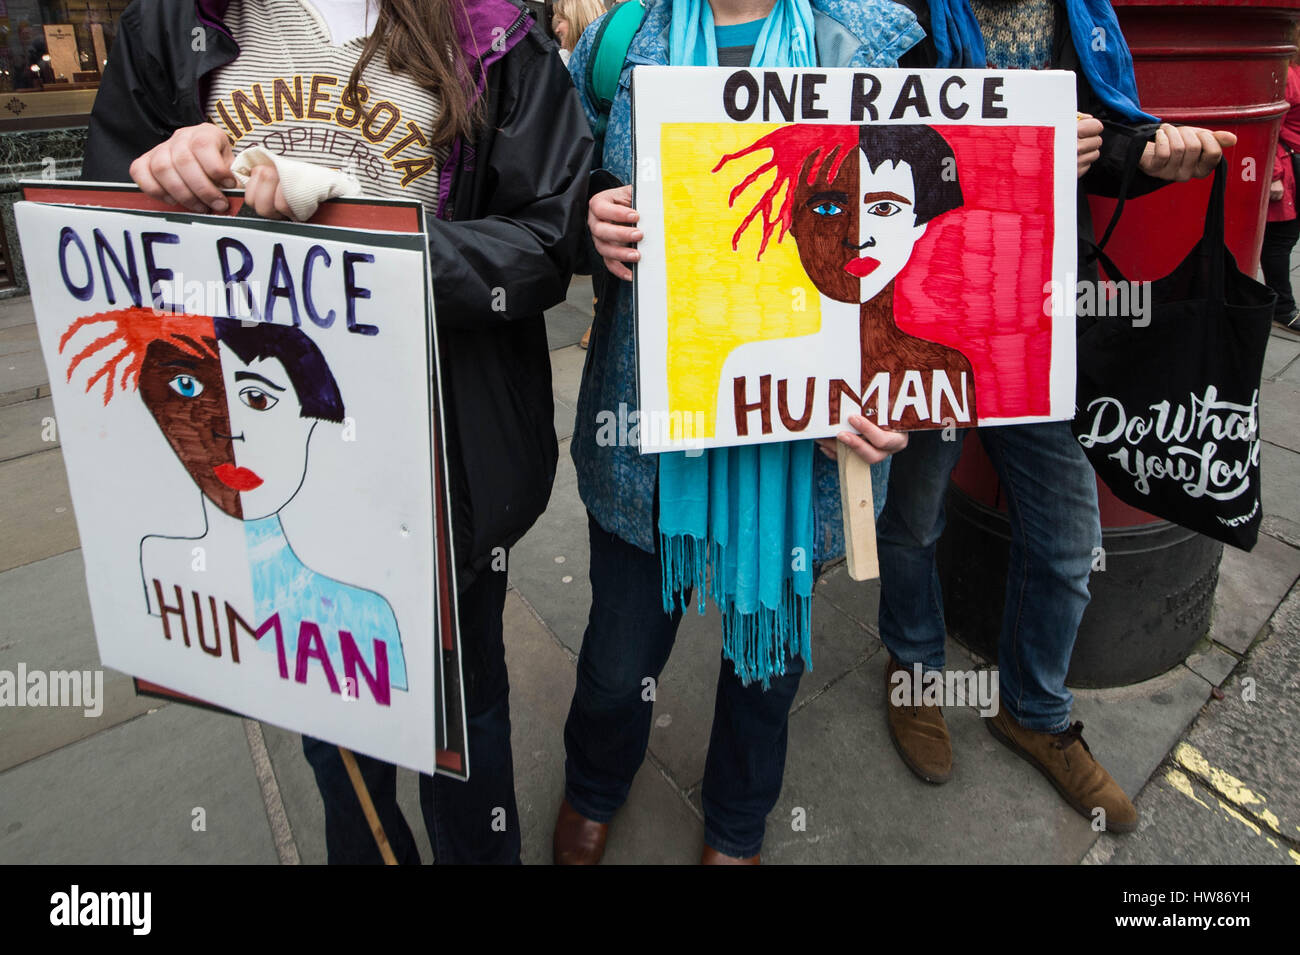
(820, 243)
(248, 416)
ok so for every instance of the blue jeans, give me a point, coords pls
(1051, 494)
(462, 818)
(628, 639)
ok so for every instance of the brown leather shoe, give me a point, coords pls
(712, 856)
(577, 840)
(1068, 764)
(919, 733)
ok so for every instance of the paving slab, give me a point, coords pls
(36, 518)
(16, 311)
(1184, 823)
(859, 600)
(1251, 586)
(45, 625)
(655, 827)
(679, 735)
(1288, 532)
(550, 564)
(1212, 664)
(566, 374)
(862, 805)
(566, 323)
(1246, 746)
(1279, 413)
(25, 426)
(22, 377)
(684, 698)
(541, 686)
(564, 417)
(301, 799)
(1281, 478)
(18, 339)
(579, 294)
(128, 795)
(1132, 728)
(1279, 353)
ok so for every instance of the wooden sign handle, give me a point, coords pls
(859, 515)
(368, 806)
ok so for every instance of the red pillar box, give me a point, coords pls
(1219, 65)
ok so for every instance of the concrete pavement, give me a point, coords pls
(1215, 778)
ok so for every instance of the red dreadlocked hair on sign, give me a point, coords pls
(136, 329)
(816, 148)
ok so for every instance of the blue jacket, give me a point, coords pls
(617, 484)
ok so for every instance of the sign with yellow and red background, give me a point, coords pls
(832, 242)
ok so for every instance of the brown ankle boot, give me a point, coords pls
(1068, 763)
(712, 856)
(577, 839)
(919, 733)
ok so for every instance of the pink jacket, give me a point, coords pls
(1284, 209)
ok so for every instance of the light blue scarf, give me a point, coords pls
(736, 524)
(960, 43)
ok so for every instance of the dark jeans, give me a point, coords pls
(1275, 260)
(460, 816)
(628, 639)
(1051, 493)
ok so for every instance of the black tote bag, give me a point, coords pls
(1168, 402)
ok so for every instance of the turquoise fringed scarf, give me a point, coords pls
(736, 524)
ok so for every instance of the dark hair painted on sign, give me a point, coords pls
(934, 167)
(312, 380)
(310, 374)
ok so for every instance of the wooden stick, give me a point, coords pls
(859, 515)
(367, 807)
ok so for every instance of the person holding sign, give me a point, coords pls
(464, 108)
(1050, 487)
(655, 520)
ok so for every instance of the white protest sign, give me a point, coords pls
(244, 412)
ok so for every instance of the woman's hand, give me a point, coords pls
(190, 169)
(612, 222)
(1089, 142)
(264, 194)
(1180, 153)
(872, 444)
(1276, 191)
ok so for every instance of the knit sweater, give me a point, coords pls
(1018, 34)
(286, 92)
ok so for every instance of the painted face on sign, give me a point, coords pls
(186, 395)
(856, 234)
(269, 434)
(237, 404)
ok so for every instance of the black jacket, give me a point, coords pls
(501, 253)
(1119, 140)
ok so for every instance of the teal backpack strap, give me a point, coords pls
(605, 65)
